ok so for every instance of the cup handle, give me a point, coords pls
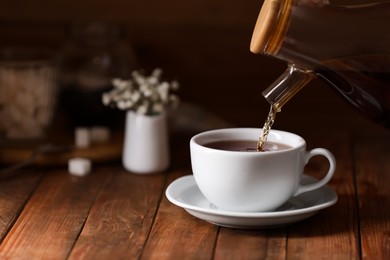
(332, 167)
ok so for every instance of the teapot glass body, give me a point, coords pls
(347, 46)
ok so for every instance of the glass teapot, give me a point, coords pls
(347, 46)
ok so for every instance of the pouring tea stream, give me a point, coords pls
(346, 46)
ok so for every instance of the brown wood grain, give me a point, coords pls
(105, 152)
(53, 217)
(14, 194)
(373, 182)
(111, 214)
(119, 223)
(115, 214)
(337, 226)
(251, 244)
(178, 235)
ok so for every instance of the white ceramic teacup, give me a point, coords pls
(253, 181)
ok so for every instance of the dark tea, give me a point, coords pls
(245, 146)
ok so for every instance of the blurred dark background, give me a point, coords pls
(202, 43)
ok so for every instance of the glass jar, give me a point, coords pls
(28, 88)
(94, 54)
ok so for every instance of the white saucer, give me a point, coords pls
(184, 193)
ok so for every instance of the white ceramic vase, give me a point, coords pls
(146, 146)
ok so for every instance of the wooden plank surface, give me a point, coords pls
(105, 152)
(251, 244)
(373, 182)
(115, 214)
(53, 217)
(14, 194)
(47, 214)
(119, 223)
(337, 226)
(178, 235)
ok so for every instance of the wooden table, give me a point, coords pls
(45, 213)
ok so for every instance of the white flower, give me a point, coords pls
(136, 96)
(142, 109)
(163, 90)
(144, 95)
(121, 105)
(146, 90)
(158, 107)
(152, 80)
(121, 84)
(106, 99)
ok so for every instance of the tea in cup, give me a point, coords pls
(234, 176)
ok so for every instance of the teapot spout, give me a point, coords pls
(287, 85)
